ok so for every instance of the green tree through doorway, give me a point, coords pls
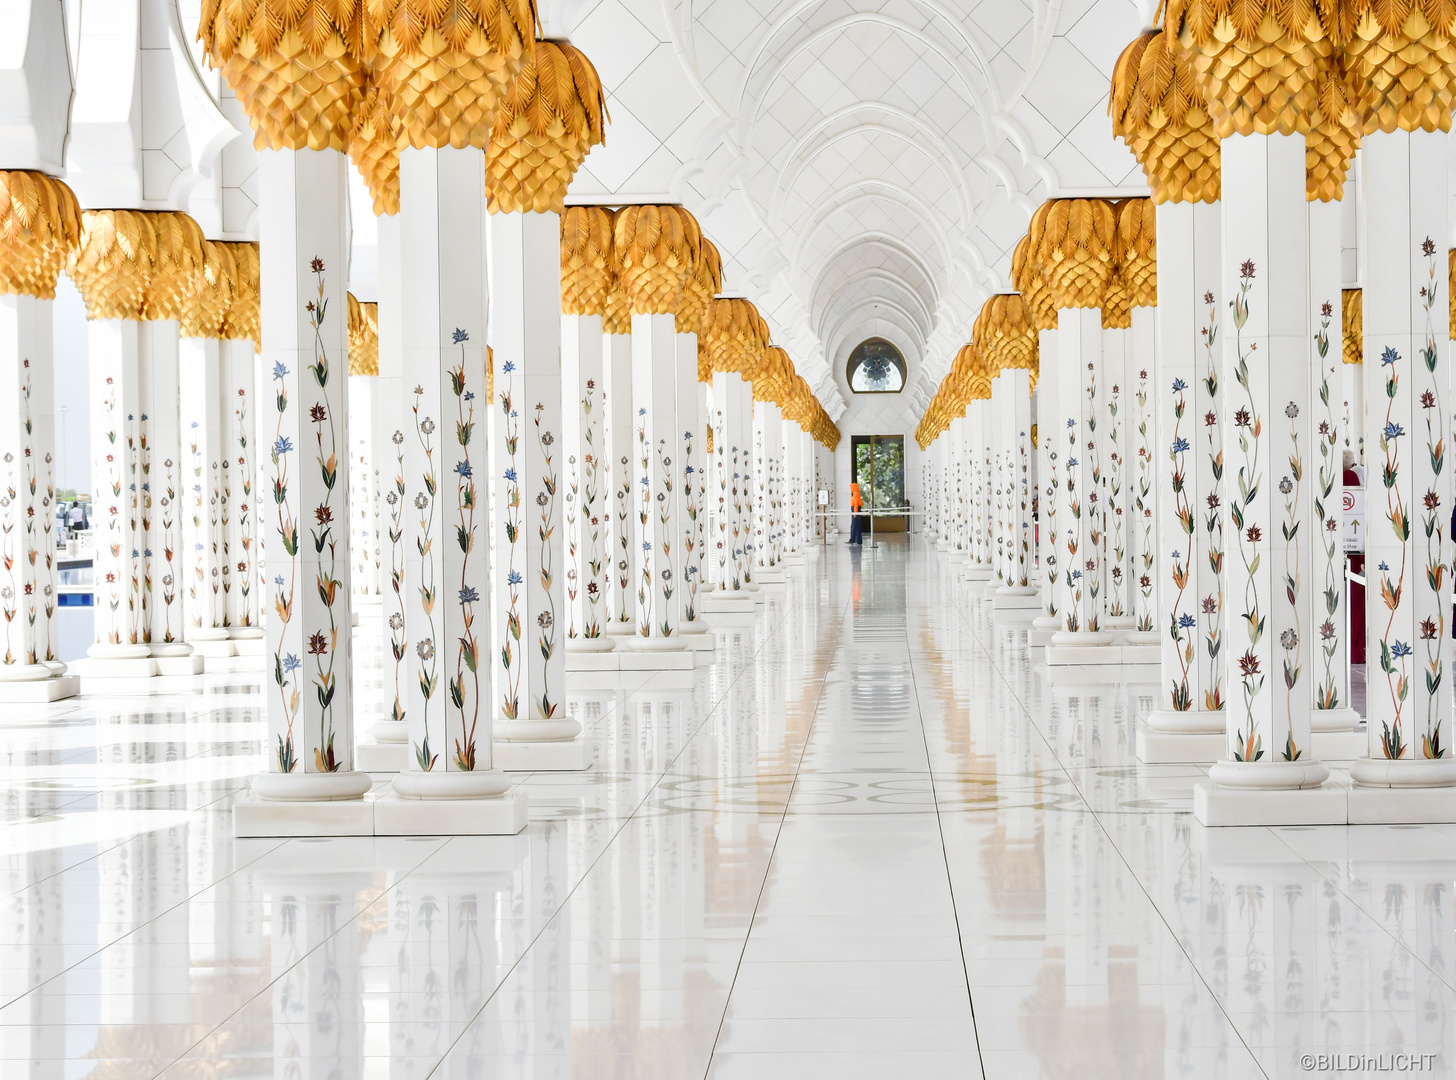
(879, 470)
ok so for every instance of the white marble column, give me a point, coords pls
(528, 467)
(1051, 451)
(657, 495)
(389, 426)
(794, 516)
(1141, 476)
(30, 669)
(691, 457)
(621, 435)
(1268, 452)
(745, 413)
(309, 687)
(1118, 579)
(977, 491)
(448, 701)
(768, 450)
(1408, 489)
(363, 541)
(121, 634)
(1191, 393)
(1018, 589)
(729, 392)
(201, 398)
(1080, 396)
(1329, 641)
(588, 574)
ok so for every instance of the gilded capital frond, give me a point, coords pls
(243, 320)
(113, 264)
(1005, 334)
(586, 260)
(297, 66)
(656, 248)
(40, 226)
(179, 260)
(1026, 276)
(549, 119)
(1137, 250)
(732, 335)
(363, 337)
(1076, 251)
(1404, 56)
(1159, 111)
(209, 292)
(771, 374)
(1257, 61)
(1352, 325)
(374, 144)
(443, 69)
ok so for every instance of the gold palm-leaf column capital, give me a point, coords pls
(179, 259)
(1352, 326)
(1076, 251)
(244, 319)
(1004, 331)
(209, 292)
(1026, 276)
(1159, 111)
(586, 260)
(656, 248)
(443, 67)
(374, 144)
(1403, 53)
(112, 266)
(296, 66)
(363, 337)
(699, 287)
(1137, 243)
(547, 122)
(40, 226)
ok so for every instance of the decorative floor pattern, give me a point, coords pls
(872, 840)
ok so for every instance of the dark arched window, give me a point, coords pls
(876, 367)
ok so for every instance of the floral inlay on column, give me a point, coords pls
(1328, 511)
(1249, 743)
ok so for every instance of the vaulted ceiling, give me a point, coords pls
(866, 166)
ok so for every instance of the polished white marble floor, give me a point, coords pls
(873, 840)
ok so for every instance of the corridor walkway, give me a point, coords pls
(872, 840)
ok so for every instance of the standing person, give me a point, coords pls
(856, 504)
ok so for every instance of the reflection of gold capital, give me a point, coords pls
(363, 337)
(1158, 109)
(40, 226)
(586, 260)
(1352, 326)
(295, 67)
(549, 118)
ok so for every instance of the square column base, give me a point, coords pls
(567, 755)
(505, 816)
(40, 690)
(260, 817)
(1219, 807)
(1013, 599)
(251, 646)
(1141, 654)
(210, 650)
(372, 756)
(727, 603)
(1063, 655)
(1187, 748)
(191, 664)
(679, 660)
(591, 661)
(1401, 806)
(701, 640)
(1037, 638)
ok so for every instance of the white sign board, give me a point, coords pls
(823, 497)
(1353, 505)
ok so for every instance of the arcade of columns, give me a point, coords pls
(547, 447)
(1190, 435)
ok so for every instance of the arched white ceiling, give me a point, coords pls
(864, 165)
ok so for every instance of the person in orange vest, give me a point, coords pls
(856, 504)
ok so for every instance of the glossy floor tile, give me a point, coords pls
(873, 839)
